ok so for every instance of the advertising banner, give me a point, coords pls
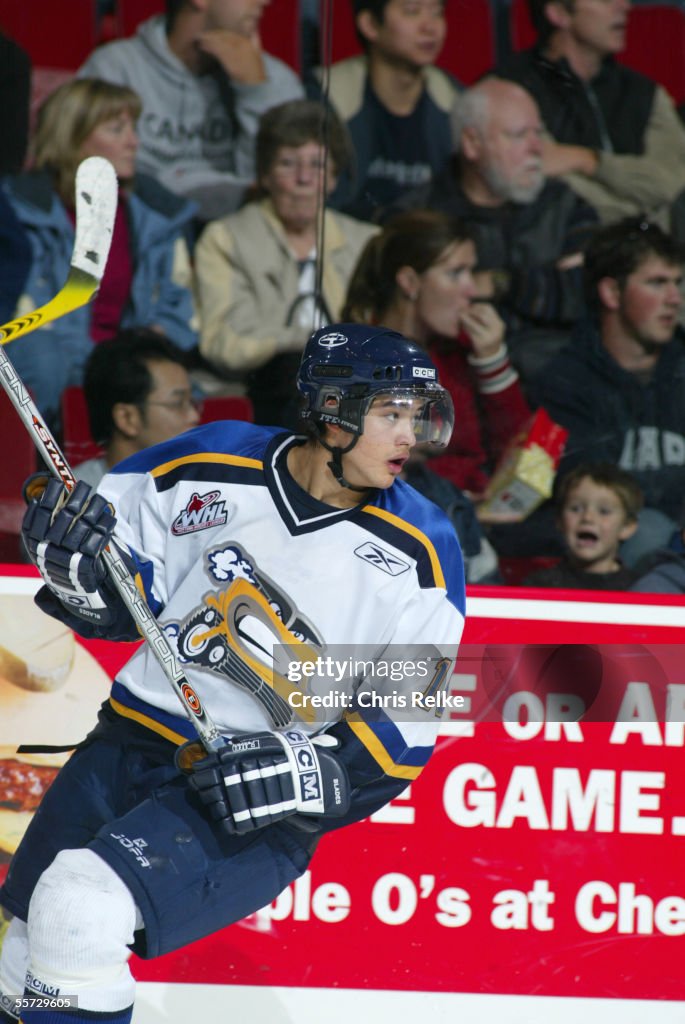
(539, 854)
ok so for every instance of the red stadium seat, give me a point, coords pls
(19, 461)
(521, 31)
(131, 12)
(78, 444)
(54, 35)
(469, 50)
(515, 570)
(656, 45)
(233, 407)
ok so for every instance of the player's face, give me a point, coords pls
(169, 408)
(593, 522)
(600, 25)
(650, 301)
(117, 140)
(381, 452)
(241, 16)
(444, 293)
(295, 183)
(511, 157)
(412, 31)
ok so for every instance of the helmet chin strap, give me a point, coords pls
(335, 465)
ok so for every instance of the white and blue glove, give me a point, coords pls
(262, 778)
(64, 535)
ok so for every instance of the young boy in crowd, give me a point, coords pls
(598, 507)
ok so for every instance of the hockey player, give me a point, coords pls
(265, 556)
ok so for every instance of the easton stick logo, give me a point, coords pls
(192, 700)
(202, 512)
(53, 451)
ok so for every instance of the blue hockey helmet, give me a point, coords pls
(346, 366)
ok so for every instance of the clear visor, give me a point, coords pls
(427, 411)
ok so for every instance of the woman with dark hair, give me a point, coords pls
(256, 269)
(146, 278)
(417, 277)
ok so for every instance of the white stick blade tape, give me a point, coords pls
(96, 206)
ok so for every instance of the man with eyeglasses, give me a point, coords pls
(138, 393)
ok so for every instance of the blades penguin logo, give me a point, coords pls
(247, 630)
(381, 558)
(201, 513)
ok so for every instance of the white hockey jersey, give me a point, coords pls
(254, 582)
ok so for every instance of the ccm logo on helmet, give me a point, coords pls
(423, 371)
(333, 339)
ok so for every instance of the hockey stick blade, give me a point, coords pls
(96, 204)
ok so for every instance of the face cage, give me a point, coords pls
(434, 426)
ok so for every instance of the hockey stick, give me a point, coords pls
(96, 199)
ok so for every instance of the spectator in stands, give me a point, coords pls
(597, 508)
(15, 95)
(204, 81)
(394, 102)
(144, 284)
(663, 571)
(530, 232)
(256, 269)
(618, 387)
(416, 277)
(138, 393)
(615, 135)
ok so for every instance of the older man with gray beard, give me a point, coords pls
(530, 231)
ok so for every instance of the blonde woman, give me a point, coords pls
(143, 282)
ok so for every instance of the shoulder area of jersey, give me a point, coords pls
(221, 437)
(406, 503)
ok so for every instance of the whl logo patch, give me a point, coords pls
(202, 512)
(381, 558)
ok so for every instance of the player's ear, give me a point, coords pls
(127, 418)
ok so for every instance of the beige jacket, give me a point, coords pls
(625, 185)
(247, 280)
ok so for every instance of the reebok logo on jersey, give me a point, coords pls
(381, 558)
(202, 512)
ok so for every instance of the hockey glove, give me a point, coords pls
(262, 778)
(64, 535)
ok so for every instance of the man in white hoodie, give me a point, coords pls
(204, 82)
